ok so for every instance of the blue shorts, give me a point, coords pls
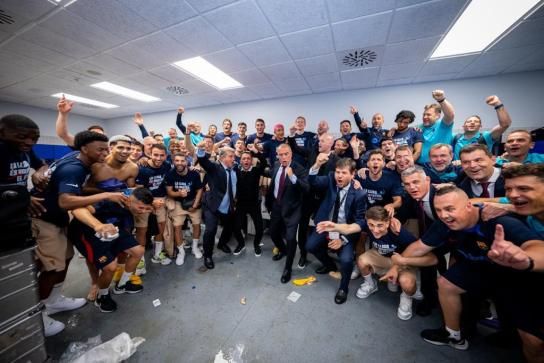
(96, 251)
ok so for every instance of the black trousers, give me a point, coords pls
(212, 219)
(309, 206)
(281, 228)
(254, 212)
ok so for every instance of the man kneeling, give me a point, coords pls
(384, 253)
(101, 232)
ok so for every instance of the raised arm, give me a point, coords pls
(502, 115)
(447, 107)
(61, 126)
(358, 120)
(139, 121)
(179, 122)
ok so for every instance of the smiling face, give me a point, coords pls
(345, 128)
(377, 120)
(158, 156)
(300, 124)
(180, 163)
(526, 193)
(403, 123)
(455, 210)
(440, 157)
(172, 133)
(21, 138)
(518, 144)
(404, 159)
(477, 165)
(136, 152)
(472, 124)
(322, 127)
(430, 116)
(388, 148)
(259, 127)
(121, 151)
(325, 143)
(240, 146)
(227, 126)
(378, 228)
(340, 146)
(96, 151)
(375, 164)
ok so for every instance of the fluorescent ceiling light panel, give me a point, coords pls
(87, 101)
(480, 24)
(126, 92)
(208, 73)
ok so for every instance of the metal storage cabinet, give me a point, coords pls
(23, 341)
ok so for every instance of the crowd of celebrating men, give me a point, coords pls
(442, 217)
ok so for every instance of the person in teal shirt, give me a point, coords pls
(473, 125)
(517, 146)
(436, 129)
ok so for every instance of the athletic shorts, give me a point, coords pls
(53, 247)
(141, 220)
(96, 251)
(179, 214)
(381, 264)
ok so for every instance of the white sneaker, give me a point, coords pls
(366, 289)
(180, 259)
(355, 273)
(162, 259)
(392, 287)
(404, 311)
(64, 303)
(196, 251)
(51, 326)
(140, 269)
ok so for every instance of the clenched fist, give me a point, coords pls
(493, 101)
(439, 95)
(353, 110)
(181, 109)
(138, 119)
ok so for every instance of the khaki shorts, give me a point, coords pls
(179, 214)
(140, 220)
(381, 264)
(53, 246)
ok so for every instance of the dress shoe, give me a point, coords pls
(424, 308)
(225, 248)
(208, 262)
(278, 256)
(302, 261)
(341, 296)
(286, 276)
(325, 269)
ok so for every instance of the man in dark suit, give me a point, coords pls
(219, 201)
(483, 179)
(342, 204)
(284, 201)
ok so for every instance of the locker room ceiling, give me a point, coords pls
(276, 48)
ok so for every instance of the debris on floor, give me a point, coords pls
(243, 300)
(232, 355)
(115, 350)
(304, 281)
(156, 302)
(293, 296)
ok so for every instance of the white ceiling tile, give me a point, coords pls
(309, 43)
(250, 77)
(265, 52)
(159, 43)
(4, 35)
(207, 5)
(48, 39)
(291, 85)
(161, 13)
(323, 82)
(425, 20)
(113, 17)
(289, 16)
(529, 32)
(416, 50)
(171, 73)
(281, 71)
(496, 61)
(360, 78)
(89, 70)
(32, 9)
(10, 61)
(397, 71)
(197, 34)
(267, 90)
(349, 9)
(405, 3)
(447, 65)
(393, 82)
(113, 65)
(27, 49)
(525, 67)
(196, 86)
(240, 94)
(318, 65)
(240, 22)
(435, 77)
(362, 32)
(71, 79)
(144, 79)
(134, 55)
(28, 89)
(229, 60)
(82, 31)
(361, 57)
(301, 92)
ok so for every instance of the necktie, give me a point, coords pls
(230, 190)
(421, 217)
(336, 209)
(485, 191)
(281, 186)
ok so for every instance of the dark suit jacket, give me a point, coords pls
(354, 207)
(217, 182)
(412, 206)
(499, 187)
(292, 195)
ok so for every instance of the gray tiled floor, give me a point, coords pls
(201, 313)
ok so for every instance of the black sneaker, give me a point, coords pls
(128, 288)
(238, 250)
(302, 261)
(106, 304)
(442, 337)
(258, 251)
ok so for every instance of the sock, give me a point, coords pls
(55, 294)
(368, 278)
(158, 248)
(455, 334)
(195, 241)
(180, 248)
(102, 292)
(124, 278)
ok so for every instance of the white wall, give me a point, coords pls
(46, 121)
(522, 93)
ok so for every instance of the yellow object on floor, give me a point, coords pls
(136, 280)
(304, 281)
(275, 251)
(118, 273)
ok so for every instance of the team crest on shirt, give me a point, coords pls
(102, 259)
(482, 245)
